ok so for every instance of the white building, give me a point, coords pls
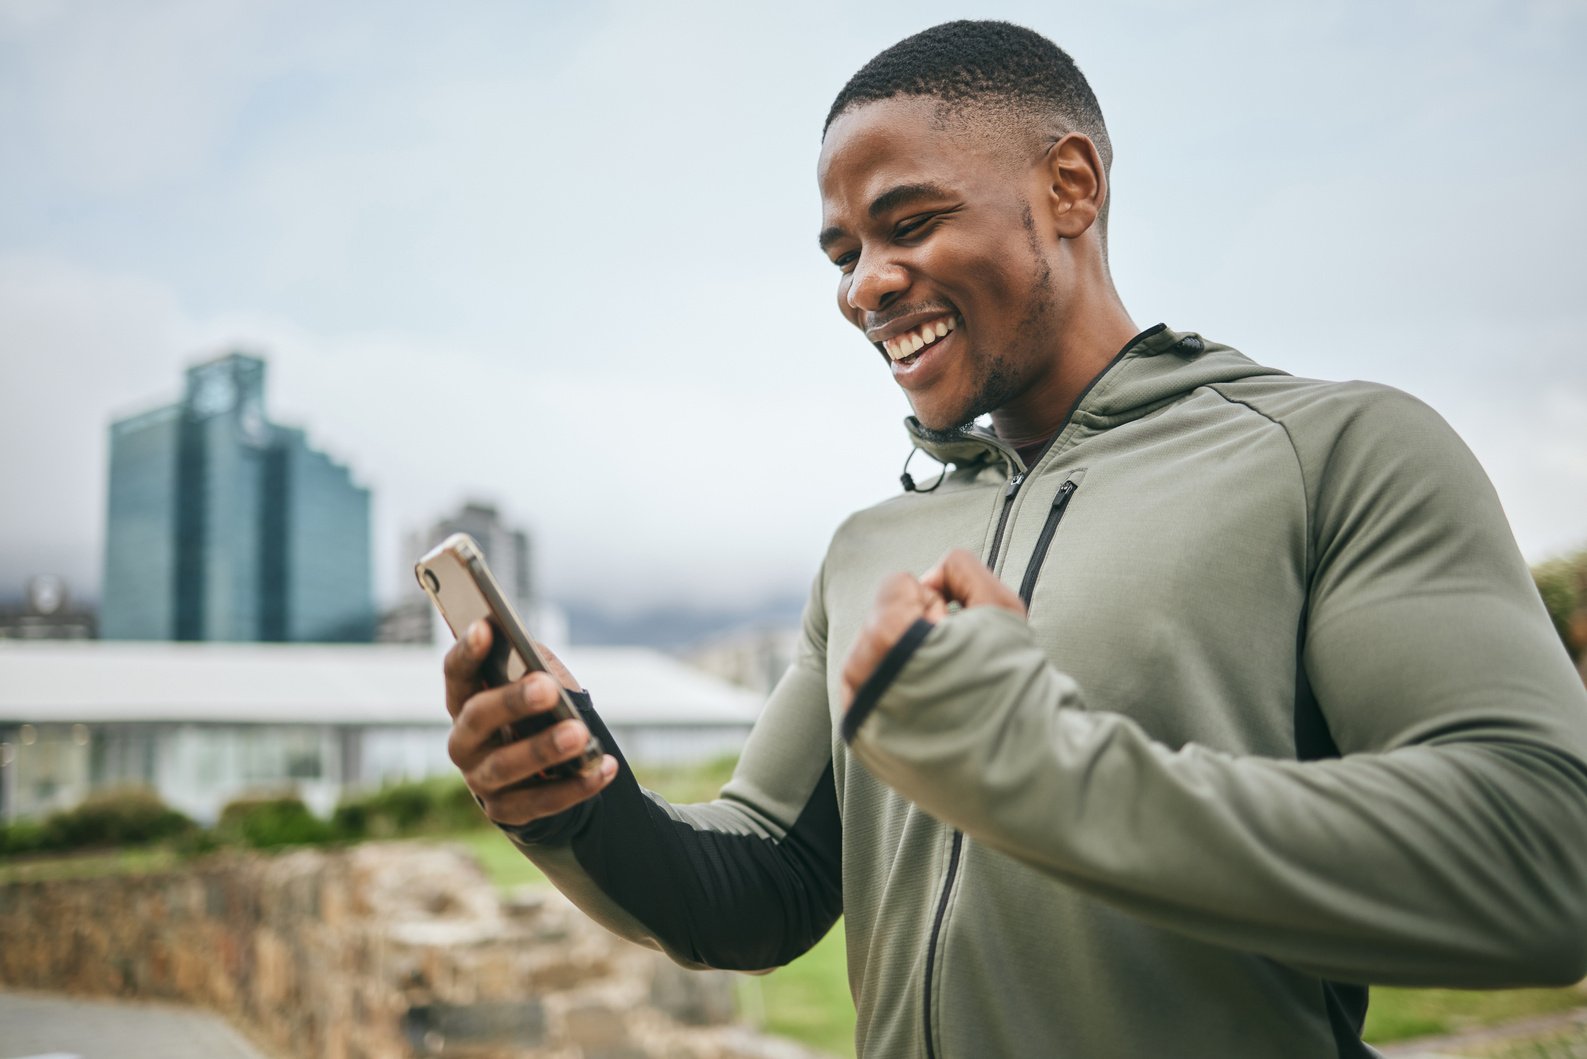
(202, 723)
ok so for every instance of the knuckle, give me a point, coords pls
(539, 751)
(469, 711)
(498, 810)
(539, 692)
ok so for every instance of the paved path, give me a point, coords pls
(36, 1026)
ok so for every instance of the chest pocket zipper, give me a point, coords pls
(1055, 514)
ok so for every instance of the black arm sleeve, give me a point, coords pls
(734, 884)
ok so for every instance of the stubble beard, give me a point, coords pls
(998, 381)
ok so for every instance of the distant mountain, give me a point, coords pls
(673, 628)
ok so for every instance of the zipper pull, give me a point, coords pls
(1013, 486)
(1063, 494)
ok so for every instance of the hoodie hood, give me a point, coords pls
(1158, 367)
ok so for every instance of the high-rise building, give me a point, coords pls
(47, 612)
(225, 526)
(507, 551)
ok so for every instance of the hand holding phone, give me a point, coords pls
(516, 735)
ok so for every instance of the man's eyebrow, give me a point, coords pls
(904, 195)
(891, 199)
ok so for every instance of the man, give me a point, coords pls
(1223, 693)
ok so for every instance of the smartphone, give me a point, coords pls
(454, 575)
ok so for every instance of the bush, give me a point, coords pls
(271, 821)
(409, 808)
(1562, 583)
(22, 836)
(112, 818)
(351, 820)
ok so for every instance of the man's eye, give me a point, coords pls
(911, 226)
(846, 261)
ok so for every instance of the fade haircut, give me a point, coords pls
(1013, 74)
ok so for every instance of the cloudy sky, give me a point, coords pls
(562, 256)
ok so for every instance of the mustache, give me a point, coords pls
(898, 312)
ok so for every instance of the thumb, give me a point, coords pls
(960, 577)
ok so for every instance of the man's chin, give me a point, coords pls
(942, 434)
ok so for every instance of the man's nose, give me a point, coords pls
(875, 284)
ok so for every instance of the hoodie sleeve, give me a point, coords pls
(746, 882)
(1446, 846)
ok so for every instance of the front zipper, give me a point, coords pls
(1009, 493)
(1055, 514)
(936, 931)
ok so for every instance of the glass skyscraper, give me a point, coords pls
(224, 526)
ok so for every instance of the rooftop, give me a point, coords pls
(103, 681)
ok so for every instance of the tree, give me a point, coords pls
(1562, 582)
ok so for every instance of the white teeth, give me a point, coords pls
(908, 345)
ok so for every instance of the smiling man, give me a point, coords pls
(1187, 701)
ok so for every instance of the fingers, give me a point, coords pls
(504, 775)
(961, 577)
(462, 665)
(900, 601)
(519, 805)
(484, 714)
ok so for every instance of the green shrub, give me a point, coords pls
(351, 820)
(198, 842)
(113, 818)
(456, 808)
(1562, 583)
(272, 821)
(21, 836)
(406, 805)
(441, 803)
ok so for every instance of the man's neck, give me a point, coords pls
(1030, 453)
(1029, 422)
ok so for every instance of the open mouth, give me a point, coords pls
(906, 348)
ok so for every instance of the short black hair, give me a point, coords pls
(998, 64)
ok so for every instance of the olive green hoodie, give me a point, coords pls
(1287, 717)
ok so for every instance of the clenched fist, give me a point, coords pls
(959, 578)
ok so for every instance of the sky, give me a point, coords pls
(562, 256)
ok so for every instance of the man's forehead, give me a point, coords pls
(877, 125)
(879, 144)
(904, 141)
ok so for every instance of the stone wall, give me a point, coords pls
(383, 950)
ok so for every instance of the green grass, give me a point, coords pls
(1398, 1014)
(683, 784)
(808, 1000)
(503, 864)
(131, 860)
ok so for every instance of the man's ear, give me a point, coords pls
(1077, 185)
